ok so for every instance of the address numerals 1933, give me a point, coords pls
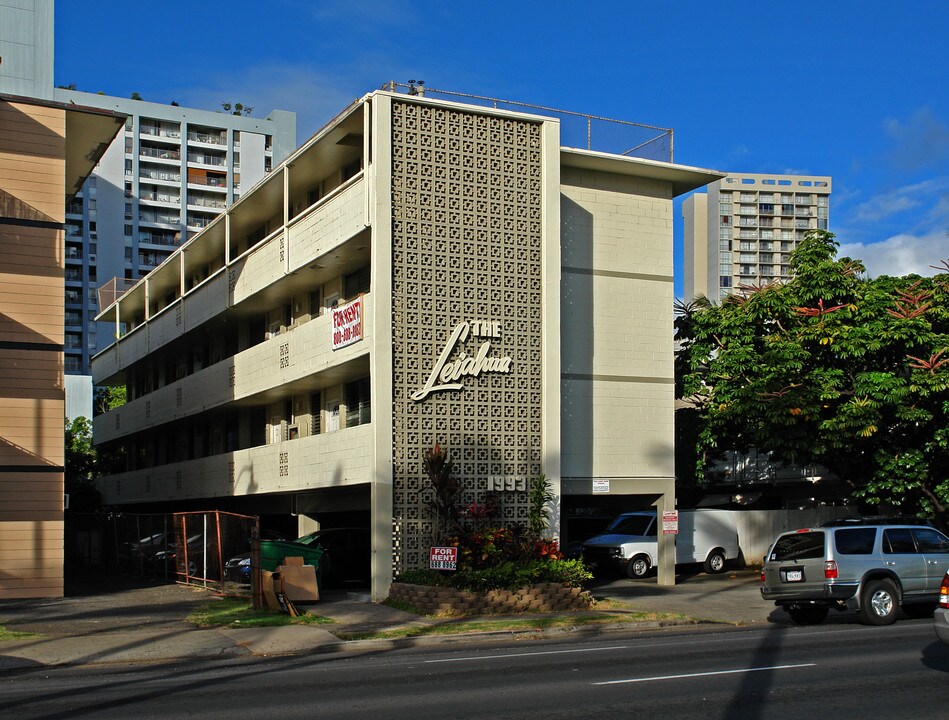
(506, 483)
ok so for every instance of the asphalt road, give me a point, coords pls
(841, 671)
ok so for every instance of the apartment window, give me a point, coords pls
(725, 208)
(724, 244)
(315, 304)
(724, 233)
(767, 234)
(356, 394)
(356, 283)
(746, 246)
(128, 231)
(822, 201)
(766, 209)
(316, 412)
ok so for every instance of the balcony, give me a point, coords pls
(215, 203)
(247, 374)
(199, 221)
(203, 159)
(161, 175)
(160, 197)
(161, 132)
(208, 181)
(327, 457)
(207, 138)
(158, 239)
(159, 217)
(159, 153)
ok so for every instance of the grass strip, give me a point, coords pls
(239, 613)
(13, 635)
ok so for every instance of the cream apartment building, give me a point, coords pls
(419, 272)
(742, 231)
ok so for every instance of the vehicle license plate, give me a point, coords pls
(793, 576)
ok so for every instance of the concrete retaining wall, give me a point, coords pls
(545, 597)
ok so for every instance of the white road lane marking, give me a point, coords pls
(528, 654)
(704, 674)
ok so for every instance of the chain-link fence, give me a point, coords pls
(190, 548)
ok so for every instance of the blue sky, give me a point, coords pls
(855, 90)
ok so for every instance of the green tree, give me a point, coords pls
(237, 108)
(109, 397)
(830, 367)
(80, 467)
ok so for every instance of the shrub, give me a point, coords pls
(504, 576)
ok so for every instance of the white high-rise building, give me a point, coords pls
(170, 173)
(742, 231)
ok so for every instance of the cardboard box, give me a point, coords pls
(267, 582)
(293, 561)
(299, 582)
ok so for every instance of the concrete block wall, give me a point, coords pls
(616, 326)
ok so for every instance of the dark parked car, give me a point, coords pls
(345, 558)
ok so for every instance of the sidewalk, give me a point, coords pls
(126, 620)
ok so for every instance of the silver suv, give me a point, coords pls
(872, 566)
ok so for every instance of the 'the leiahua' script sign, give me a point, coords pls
(447, 372)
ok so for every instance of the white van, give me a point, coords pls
(630, 542)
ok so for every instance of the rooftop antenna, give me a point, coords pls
(416, 87)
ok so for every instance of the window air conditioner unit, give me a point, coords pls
(92, 258)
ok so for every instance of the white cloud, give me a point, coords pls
(902, 254)
(921, 142)
(930, 193)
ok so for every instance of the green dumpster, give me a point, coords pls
(272, 553)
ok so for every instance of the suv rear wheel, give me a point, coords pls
(879, 603)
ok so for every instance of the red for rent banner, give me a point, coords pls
(347, 324)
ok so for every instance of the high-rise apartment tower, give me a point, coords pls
(742, 231)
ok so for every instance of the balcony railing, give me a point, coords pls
(160, 132)
(207, 202)
(160, 175)
(220, 182)
(157, 239)
(160, 153)
(207, 159)
(206, 138)
(160, 197)
(199, 222)
(154, 217)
